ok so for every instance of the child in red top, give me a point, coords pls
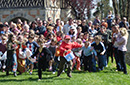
(65, 47)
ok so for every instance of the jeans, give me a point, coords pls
(94, 64)
(101, 61)
(122, 60)
(11, 62)
(118, 65)
(88, 64)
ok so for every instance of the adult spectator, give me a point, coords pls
(33, 25)
(89, 25)
(40, 28)
(110, 14)
(84, 26)
(124, 23)
(58, 26)
(96, 20)
(50, 21)
(66, 27)
(122, 42)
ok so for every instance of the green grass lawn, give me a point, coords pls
(107, 77)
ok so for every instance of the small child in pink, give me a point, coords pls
(77, 52)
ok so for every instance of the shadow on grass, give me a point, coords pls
(18, 80)
(3, 76)
(30, 79)
(112, 70)
(61, 78)
(79, 72)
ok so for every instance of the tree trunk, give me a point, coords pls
(120, 8)
(124, 8)
(115, 7)
(128, 11)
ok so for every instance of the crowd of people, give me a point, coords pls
(44, 45)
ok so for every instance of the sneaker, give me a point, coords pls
(79, 69)
(39, 79)
(50, 69)
(30, 73)
(53, 72)
(116, 70)
(106, 66)
(63, 71)
(3, 71)
(69, 75)
(15, 74)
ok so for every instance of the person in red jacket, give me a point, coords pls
(66, 47)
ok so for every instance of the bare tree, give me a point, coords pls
(81, 8)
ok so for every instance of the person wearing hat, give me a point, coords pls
(65, 48)
(72, 32)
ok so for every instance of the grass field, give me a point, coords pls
(107, 77)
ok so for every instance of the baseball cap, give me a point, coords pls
(67, 37)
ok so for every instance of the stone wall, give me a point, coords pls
(32, 13)
(29, 14)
